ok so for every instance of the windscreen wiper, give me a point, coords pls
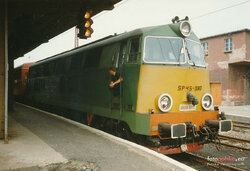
(181, 52)
(190, 57)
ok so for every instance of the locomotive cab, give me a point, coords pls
(173, 74)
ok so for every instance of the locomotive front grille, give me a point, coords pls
(173, 130)
(225, 125)
(178, 131)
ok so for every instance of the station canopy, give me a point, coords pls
(33, 22)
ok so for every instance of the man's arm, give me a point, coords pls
(116, 82)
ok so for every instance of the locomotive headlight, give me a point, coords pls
(165, 102)
(185, 28)
(207, 101)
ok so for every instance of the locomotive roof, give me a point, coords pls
(152, 31)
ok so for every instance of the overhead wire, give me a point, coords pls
(222, 9)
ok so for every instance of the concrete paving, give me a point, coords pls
(41, 139)
(237, 113)
(23, 142)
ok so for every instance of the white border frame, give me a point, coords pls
(212, 103)
(173, 133)
(224, 121)
(171, 100)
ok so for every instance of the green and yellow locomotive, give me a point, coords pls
(164, 101)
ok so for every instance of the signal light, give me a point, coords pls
(88, 32)
(88, 23)
(84, 27)
(87, 14)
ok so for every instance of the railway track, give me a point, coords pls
(233, 139)
(238, 124)
(211, 163)
(239, 143)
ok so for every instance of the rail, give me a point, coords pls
(239, 124)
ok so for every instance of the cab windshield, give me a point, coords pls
(163, 50)
(195, 53)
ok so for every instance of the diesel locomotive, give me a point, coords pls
(164, 101)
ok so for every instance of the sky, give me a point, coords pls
(207, 18)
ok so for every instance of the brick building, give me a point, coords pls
(228, 58)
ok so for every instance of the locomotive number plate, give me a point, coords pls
(189, 88)
(187, 107)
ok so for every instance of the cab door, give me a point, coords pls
(117, 62)
(131, 70)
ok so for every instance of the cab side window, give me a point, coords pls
(109, 55)
(133, 50)
(122, 53)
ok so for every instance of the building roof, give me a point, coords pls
(232, 32)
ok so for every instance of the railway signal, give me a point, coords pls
(84, 27)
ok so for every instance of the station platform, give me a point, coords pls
(237, 113)
(42, 141)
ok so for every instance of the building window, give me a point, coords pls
(228, 45)
(205, 46)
